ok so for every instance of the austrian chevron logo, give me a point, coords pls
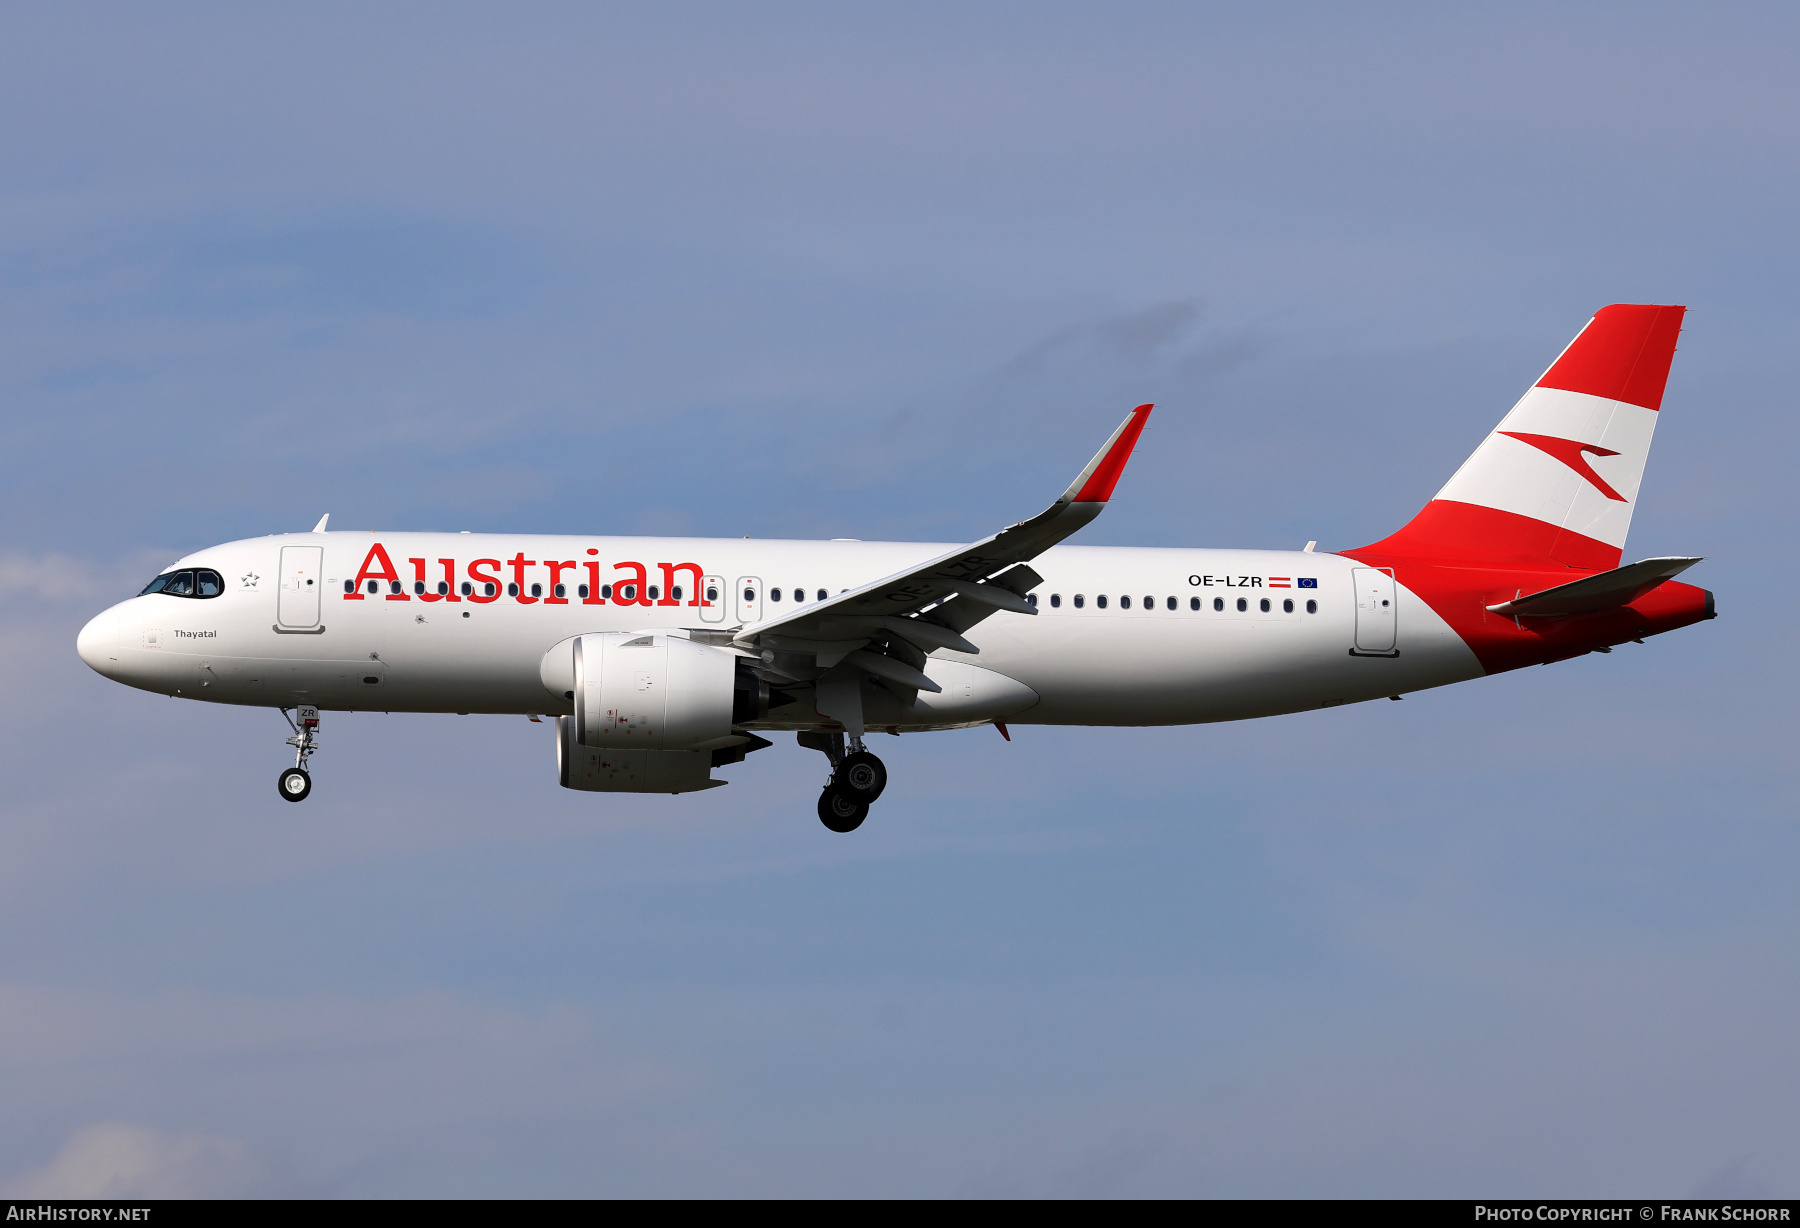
(1569, 452)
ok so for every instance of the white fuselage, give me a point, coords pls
(1105, 648)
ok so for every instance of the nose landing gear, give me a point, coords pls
(295, 783)
(857, 779)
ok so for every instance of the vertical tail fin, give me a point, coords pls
(1558, 478)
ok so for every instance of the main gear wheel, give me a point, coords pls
(840, 810)
(861, 775)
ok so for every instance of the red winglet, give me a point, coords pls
(1111, 462)
(1623, 354)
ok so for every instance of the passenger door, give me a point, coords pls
(1375, 624)
(297, 604)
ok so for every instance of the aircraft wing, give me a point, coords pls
(891, 624)
(1605, 591)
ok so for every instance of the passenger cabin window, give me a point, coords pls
(774, 594)
(1080, 601)
(374, 586)
(443, 588)
(1287, 605)
(1032, 599)
(1171, 603)
(349, 586)
(418, 588)
(1124, 602)
(537, 590)
(1242, 605)
(512, 590)
(606, 592)
(1312, 607)
(822, 595)
(468, 590)
(1218, 604)
(1100, 602)
(1193, 603)
(712, 595)
(654, 593)
(1265, 605)
(582, 591)
(674, 592)
(1056, 601)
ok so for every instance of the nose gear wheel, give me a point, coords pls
(294, 784)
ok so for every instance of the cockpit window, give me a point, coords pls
(191, 583)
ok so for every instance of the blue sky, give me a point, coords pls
(824, 271)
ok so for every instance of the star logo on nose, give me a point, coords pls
(1569, 452)
(250, 579)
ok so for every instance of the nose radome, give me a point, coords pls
(98, 642)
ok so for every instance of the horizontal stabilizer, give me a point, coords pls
(1606, 591)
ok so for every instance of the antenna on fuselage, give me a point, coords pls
(320, 527)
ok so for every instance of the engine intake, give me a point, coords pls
(651, 713)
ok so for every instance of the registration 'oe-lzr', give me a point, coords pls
(666, 659)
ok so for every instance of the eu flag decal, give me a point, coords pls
(1307, 582)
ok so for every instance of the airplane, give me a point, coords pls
(665, 659)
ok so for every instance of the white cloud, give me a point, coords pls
(119, 1160)
(53, 576)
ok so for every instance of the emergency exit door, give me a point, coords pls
(748, 595)
(1375, 624)
(297, 604)
(713, 600)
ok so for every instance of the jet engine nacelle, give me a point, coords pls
(595, 769)
(650, 691)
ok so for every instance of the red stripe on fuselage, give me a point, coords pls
(1459, 559)
(1461, 533)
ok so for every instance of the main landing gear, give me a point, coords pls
(857, 779)
(295, 783)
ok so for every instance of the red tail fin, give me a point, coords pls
(1555, 483)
